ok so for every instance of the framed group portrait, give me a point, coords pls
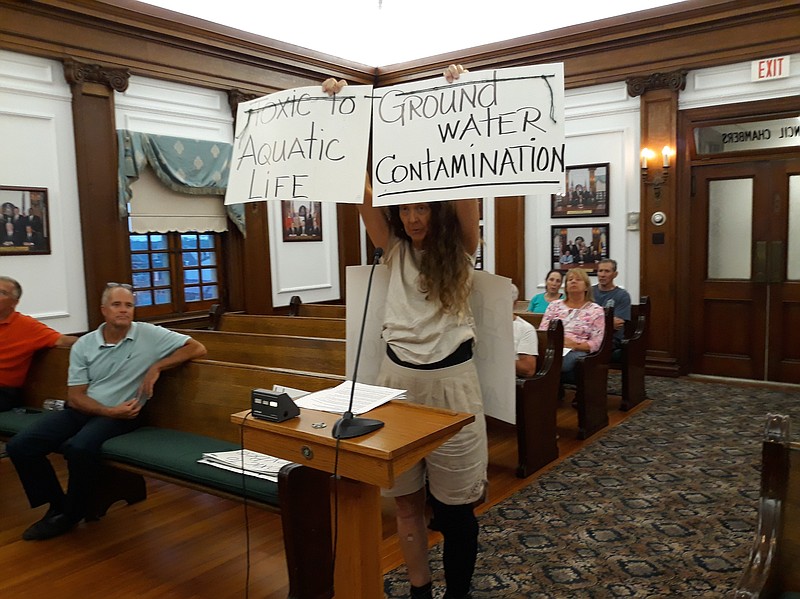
(301, 220)
(579, 247)
(586, 192)
(25, 227)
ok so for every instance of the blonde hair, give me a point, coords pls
(581, 274)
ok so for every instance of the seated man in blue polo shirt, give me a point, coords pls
(112, 371)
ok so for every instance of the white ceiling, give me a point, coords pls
(383, 32)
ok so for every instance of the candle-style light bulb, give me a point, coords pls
(645, 152)
(665, 153)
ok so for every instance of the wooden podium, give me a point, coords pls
(365, 465)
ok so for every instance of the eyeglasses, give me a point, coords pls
(123, 285)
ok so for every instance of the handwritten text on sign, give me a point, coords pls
(301, 144)
(496, 132)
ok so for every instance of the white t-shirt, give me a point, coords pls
(416, 328)
(525, 339)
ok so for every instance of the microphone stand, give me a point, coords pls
(348, 427)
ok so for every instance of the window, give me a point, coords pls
(175, 273)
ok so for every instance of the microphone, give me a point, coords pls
(348, 427)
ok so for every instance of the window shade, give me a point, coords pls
(154, 208)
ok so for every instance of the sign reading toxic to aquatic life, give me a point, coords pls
(302, 145)
(489, 133)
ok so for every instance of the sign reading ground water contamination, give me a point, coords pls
(301, 144)
(489, 133)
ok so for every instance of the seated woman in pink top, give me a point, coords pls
(583, 320)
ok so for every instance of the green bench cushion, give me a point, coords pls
(175, 453)
(12, 422)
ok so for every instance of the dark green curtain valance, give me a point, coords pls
(190, 166)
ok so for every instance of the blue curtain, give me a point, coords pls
(190, 166)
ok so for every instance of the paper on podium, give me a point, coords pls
(337, 399)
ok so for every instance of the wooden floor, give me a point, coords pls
(183, 544)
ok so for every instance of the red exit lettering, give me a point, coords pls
(770, 68)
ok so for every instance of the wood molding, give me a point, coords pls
(674, 81)
(685, 35)
(159, 43)
(155, 42)
(76, 72)
(236, 97)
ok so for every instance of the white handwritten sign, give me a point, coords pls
(496, 132)
(301, 144)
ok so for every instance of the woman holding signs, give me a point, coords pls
(429, 330)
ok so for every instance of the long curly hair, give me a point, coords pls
(445, 267)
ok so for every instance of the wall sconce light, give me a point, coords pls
(660, 181)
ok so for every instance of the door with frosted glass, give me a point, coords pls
(745, 271)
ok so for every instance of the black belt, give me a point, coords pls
(461, 355)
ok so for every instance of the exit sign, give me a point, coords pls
(769, 68)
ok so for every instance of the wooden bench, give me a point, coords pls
(301, 354)
(591, 379)
(537, 404)
(302, 326)
(534, 319)
(591, 383)
(298, 308)
(773, 569)
(191, 407)
(630, 359)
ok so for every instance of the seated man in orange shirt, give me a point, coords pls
(20, 337)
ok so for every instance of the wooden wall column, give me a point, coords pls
(509, 240)
(659, 236)
(253, 273)
(106, 254)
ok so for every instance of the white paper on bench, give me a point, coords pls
(255, 464)
(336, 399)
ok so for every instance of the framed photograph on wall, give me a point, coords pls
(301, 220)
(25, 225)
(579, 247)
(586, 192)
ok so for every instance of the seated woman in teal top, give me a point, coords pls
(552, 291)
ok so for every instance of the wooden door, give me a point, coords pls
(745, 270)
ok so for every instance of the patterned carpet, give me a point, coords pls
(664, 505)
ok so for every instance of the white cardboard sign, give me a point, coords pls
(489, 133)
(301, 144)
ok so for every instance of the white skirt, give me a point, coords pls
(456, 470)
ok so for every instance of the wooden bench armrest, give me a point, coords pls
(215, 316)
(591, 379)
(760, 579)
(537, 404)
(633, 355)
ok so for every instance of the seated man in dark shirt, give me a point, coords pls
(606, 291)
